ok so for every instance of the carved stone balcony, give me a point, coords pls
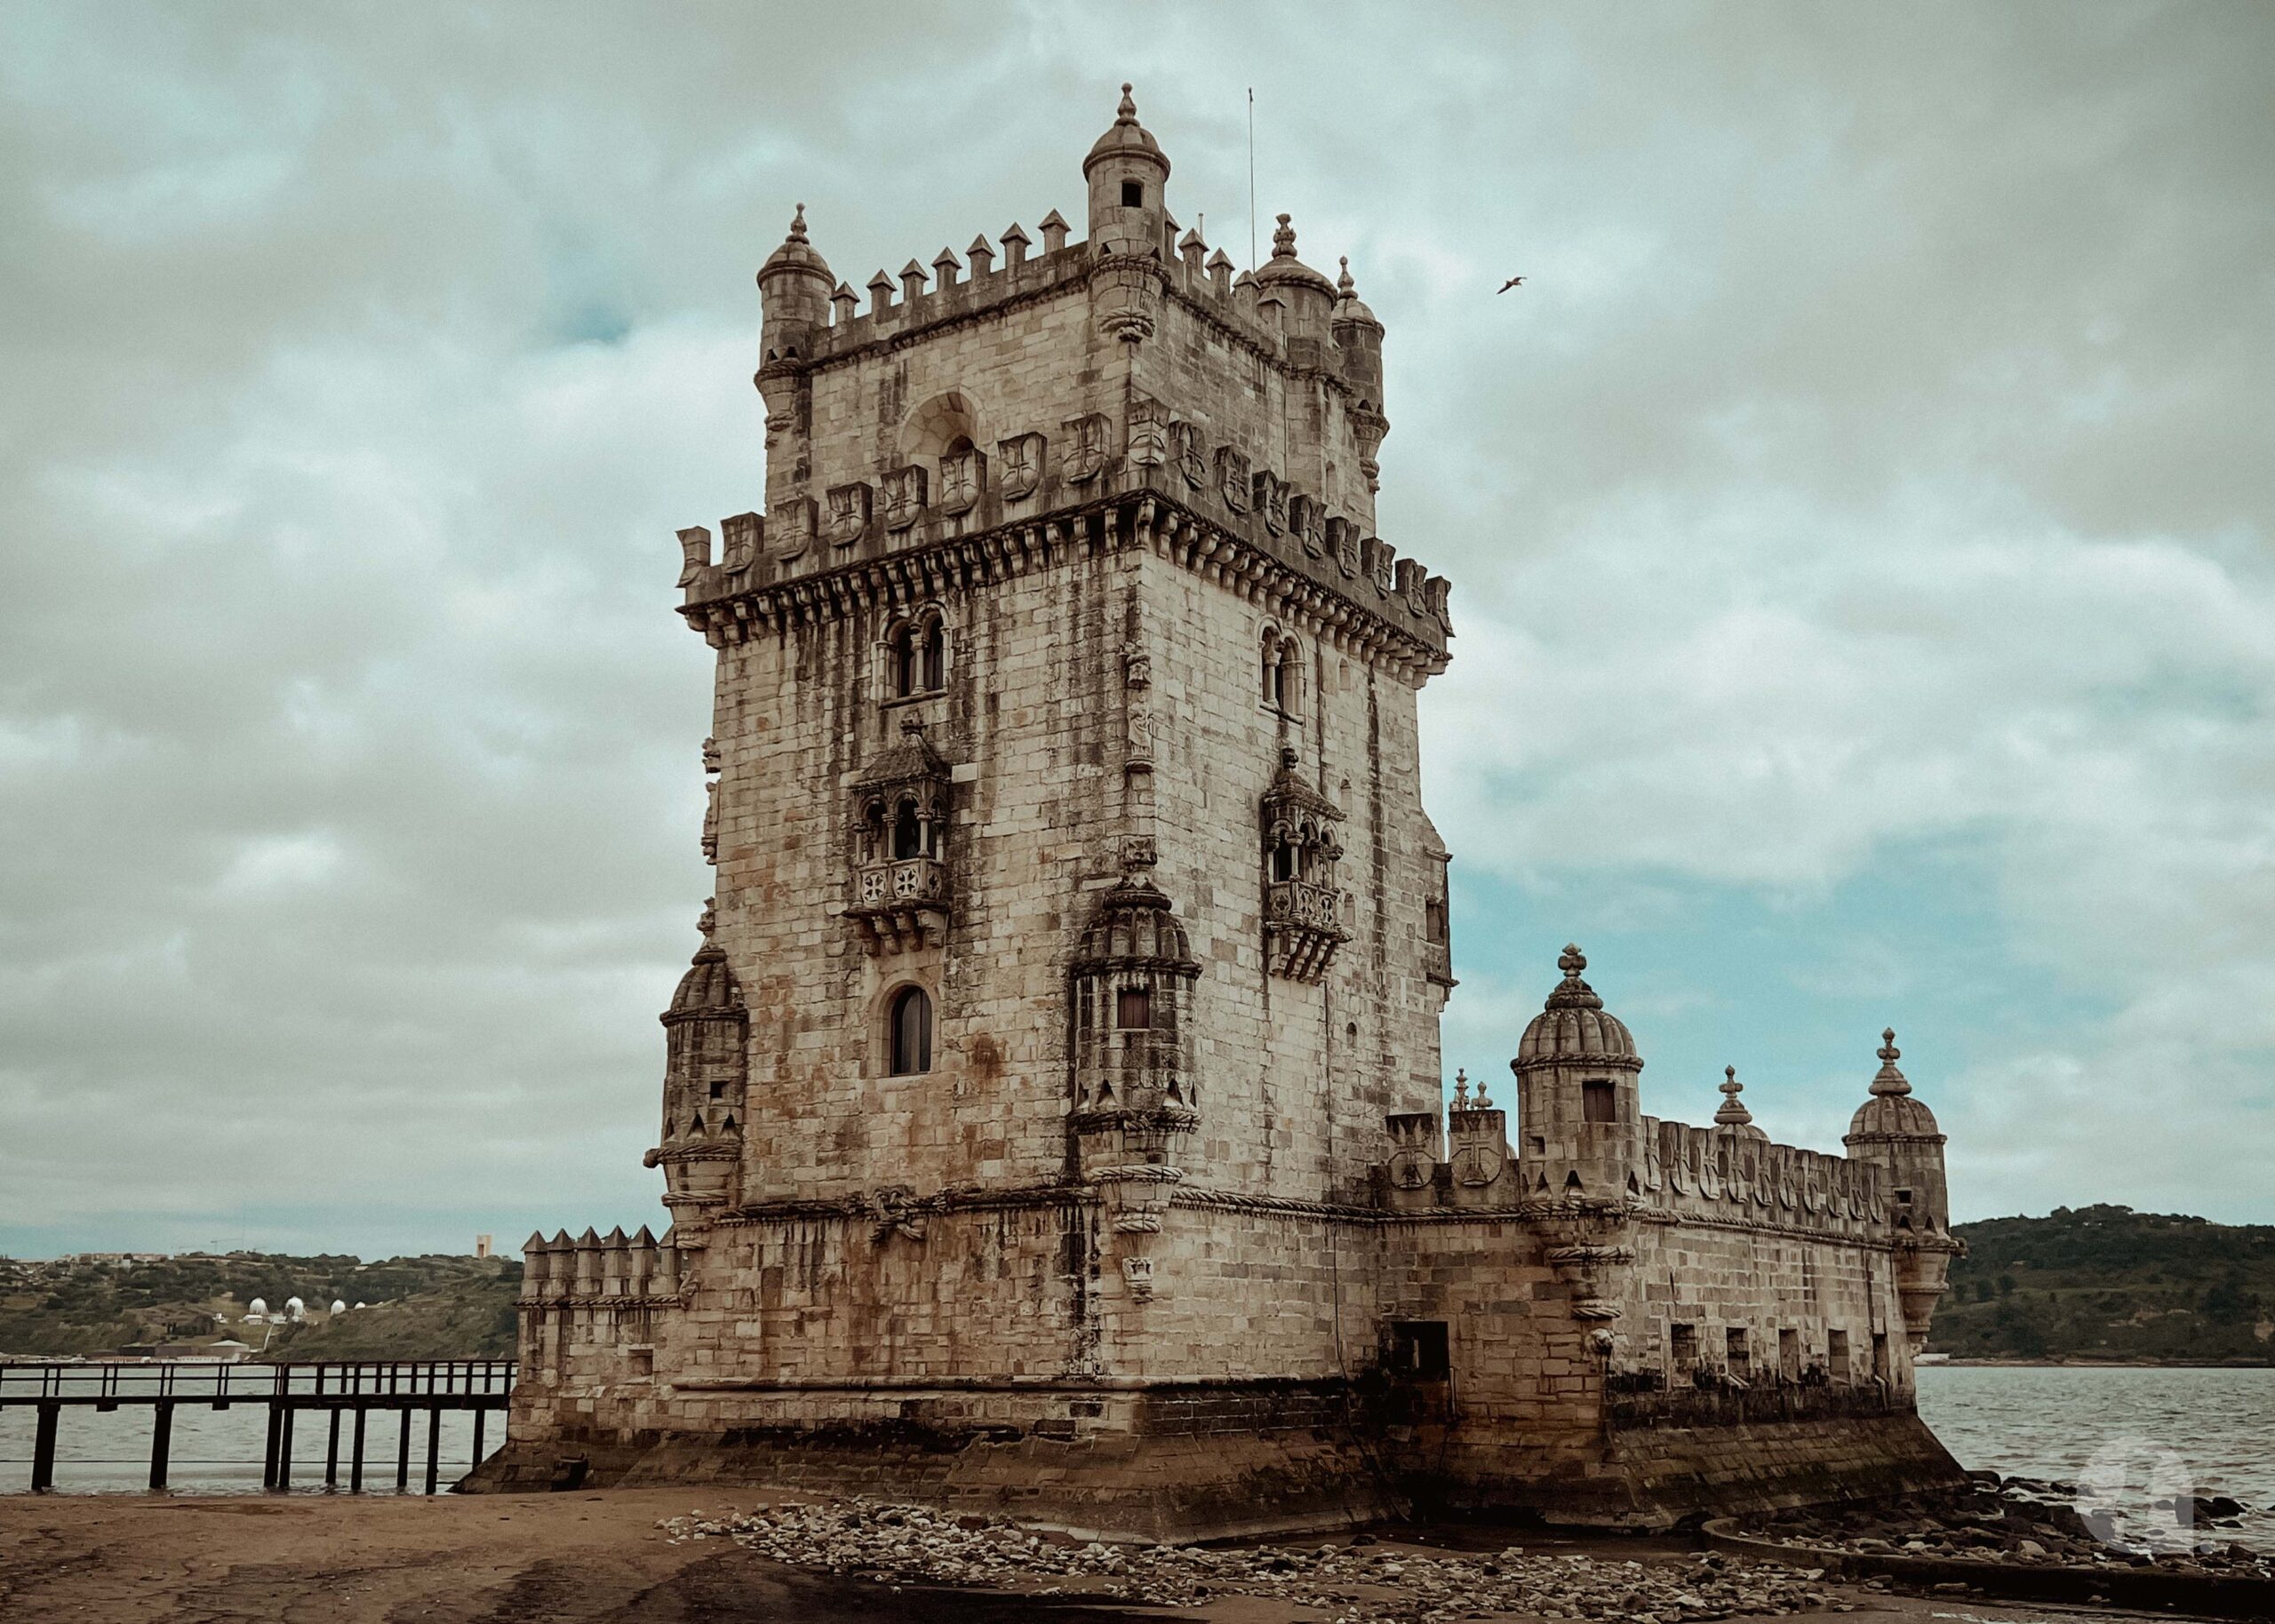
(902, 904)
(1302, 928)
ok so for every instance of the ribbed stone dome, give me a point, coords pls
(709, 987)
(796, 253)
(1126, 137)
(1892, 1113)
(1573, 1028)
(1284, 269)
(1135, 922)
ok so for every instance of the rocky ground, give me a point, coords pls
(1351, 1579)
(2034, 1522)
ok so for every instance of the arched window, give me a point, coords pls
(1284, 860)
(1273, 678)
(1282, 670)
(917, 657)
(907, 833)
(911, 1032)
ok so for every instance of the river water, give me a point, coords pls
(2216, 1427)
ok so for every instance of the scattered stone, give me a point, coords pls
(901, 1545)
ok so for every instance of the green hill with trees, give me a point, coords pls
(399, 1307)
(2109, 1284)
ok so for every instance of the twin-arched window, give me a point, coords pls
(917, 657)
(1281, 669)
(909, 1032)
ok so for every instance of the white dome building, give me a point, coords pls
(338, 1305)
(294, 1308)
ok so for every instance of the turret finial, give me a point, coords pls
(1283, 240)
(1343, 285)
(1461, 1090)
(1571, 961)
(1127, 113)
(1732, 1114)
(1889, 1080)
(798, 225)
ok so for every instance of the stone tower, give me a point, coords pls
(1051, 1116)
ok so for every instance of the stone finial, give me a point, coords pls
(1054, 232)
(1732, 1113)
(912, 281)
(982, 255)
(844, 302)
(1572, 993)
(1483, 1101)
(1127, 113)
(880, 291)
(1344, 288)
(945, 267)
(1283, 240)
(798, 225)
(1015, 246)
(1461, 1090)
(1889, 1080)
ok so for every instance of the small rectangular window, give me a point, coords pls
(1420, 1348)
(1133, 194)
(1735, 1357)
(1836, 1355)
(1683, 1349)
(1789, 1355)
(1133, 1007)
(1598, 1104)
(1879, 1355)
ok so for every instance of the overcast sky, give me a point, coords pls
(1859, 524)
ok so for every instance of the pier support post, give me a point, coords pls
(402, 1452)
(284, 1452)
(162, 1442)
(480, 1416)
(356, 1458)
(43, 1447)
(331, 1452)
(268, 1453)
(434, 1446)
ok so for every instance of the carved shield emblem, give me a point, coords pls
(1085, 448)
(848, 513)
(1272, 502)
(1475, 1164)
(740, 535)
(1018, 468)
(1185, 450)
(964, 476)
(1232, 478)
(904, 497)
(1343, 541)
(792, 528)
(1409, 1169)
(1308, 521)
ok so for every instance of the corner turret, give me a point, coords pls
(705, 1069)
(1129, 178)
(794, 291)
(1579, 1112)
(1898, 1134)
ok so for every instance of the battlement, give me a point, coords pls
(614, 1268)
(1683, 1172)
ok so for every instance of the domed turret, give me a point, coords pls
(1308, 296)
(1579, 1114)
(793, 289)
(1573, 1027)
(705, 1037)
(1897, 1133)
(1733, 1118)
(1128, 176)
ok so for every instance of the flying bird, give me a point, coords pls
(1505, 286)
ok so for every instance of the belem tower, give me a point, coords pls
(1051, 1118)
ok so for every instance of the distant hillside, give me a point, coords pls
(2109, 1283)
(412, 1308)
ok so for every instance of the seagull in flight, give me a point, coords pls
(1511, 283)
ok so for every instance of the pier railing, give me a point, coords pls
(351, 1387)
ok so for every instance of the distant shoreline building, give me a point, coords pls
(1051, 1120)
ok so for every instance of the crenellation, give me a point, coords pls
(1060, 1059)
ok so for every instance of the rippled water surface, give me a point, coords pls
(2060, 1422)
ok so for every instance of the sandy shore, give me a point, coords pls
(546, 1559)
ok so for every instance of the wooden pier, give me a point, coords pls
(406, 1389)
